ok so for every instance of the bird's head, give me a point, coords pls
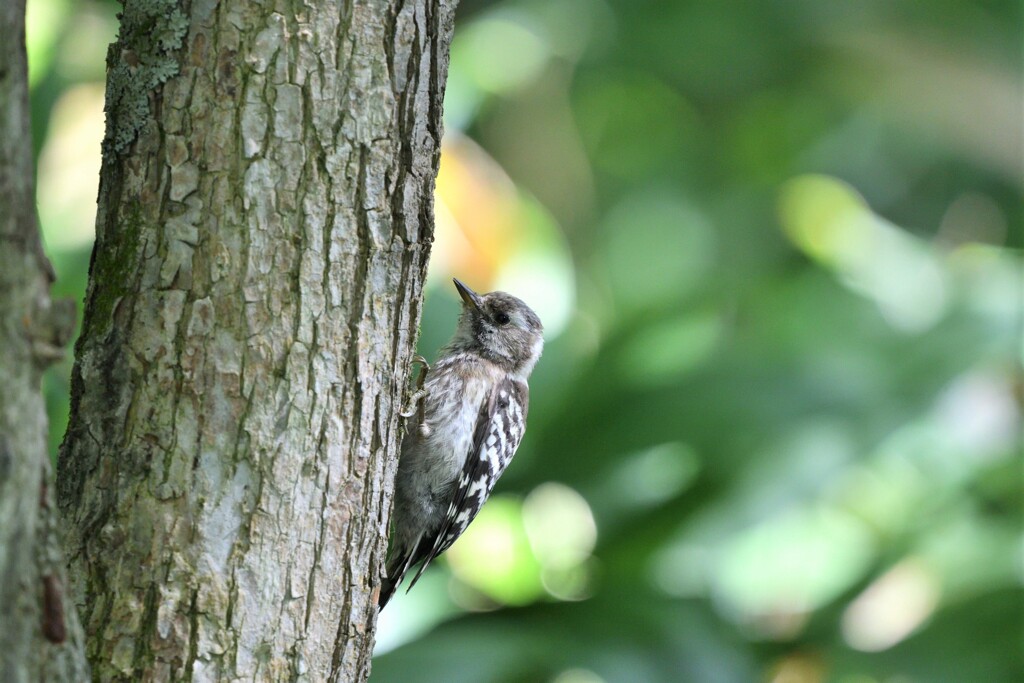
(500, 328)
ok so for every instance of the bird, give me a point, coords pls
(475, 399)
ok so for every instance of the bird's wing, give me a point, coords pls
(499, 429)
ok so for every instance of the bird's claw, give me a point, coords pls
(413, 406)
(414, 400)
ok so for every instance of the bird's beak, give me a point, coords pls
(471, 298)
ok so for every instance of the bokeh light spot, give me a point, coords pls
(826, 218)
(790, 565)
(500, 51)
(562, 533)
(82, 51)
(798, 668)
(44, 22)
(973, 218)
(661, 353)
(494, 555)
(891, 608)
(831, 223)
(659, 247)
(559, 524)
(681, 570)
(657, 474)
(577, 676)
(69, 168)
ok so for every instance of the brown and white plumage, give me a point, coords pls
(474, 416)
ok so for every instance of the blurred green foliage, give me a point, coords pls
(775, 433)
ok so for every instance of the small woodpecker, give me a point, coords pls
(472, 420)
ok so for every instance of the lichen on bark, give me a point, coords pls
(143, 58)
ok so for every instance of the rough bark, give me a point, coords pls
(265, 216)
(40, 637)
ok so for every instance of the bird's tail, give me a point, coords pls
(387, 589)
(396, 569)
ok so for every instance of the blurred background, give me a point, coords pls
(777, 249)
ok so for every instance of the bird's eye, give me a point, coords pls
(502, 318)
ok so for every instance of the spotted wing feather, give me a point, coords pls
(499, 429)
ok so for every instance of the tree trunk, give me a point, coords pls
(40, 636)
(265, 218)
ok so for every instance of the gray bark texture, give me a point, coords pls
(40, 637)
(264, 224)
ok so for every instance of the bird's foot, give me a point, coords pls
(417, 397)
(413, 405)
